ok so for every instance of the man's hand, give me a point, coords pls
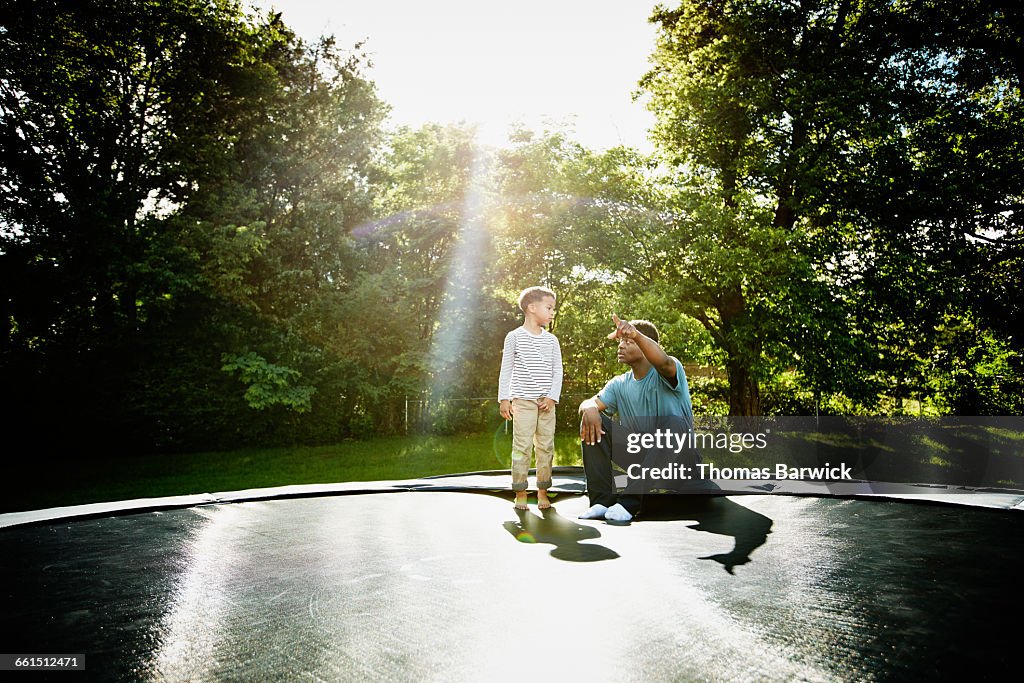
(506, 409)
(547, 403)
(623, 330)
(590, 425)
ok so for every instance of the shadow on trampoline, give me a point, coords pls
(565, 535)
(714, 515)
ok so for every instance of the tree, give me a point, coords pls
(101, 106)
(177, 183)
(816, 137)
(270, 228)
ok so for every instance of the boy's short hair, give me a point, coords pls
(532, 295)
(646, 328)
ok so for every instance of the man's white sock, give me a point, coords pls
(617, 513)
(594, 512)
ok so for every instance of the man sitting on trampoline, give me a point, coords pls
(655, 387)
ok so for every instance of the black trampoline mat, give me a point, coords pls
(430, 585)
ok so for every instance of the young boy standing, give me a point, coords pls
(529, 386)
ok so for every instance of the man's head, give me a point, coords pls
(538, 302)
(628, 352)
(646, 328)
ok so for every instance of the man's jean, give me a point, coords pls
(597, 466)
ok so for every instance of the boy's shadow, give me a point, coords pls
(552, 528)
(715, 515)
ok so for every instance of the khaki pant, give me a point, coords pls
(532, 427)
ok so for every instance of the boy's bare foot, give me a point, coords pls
(521, 500)
(542, 499)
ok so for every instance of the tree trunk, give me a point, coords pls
(744, 389)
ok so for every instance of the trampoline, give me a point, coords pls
(441, 579)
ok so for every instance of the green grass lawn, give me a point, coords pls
(40, 483)
(90, 480)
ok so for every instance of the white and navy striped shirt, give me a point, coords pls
(531, 366)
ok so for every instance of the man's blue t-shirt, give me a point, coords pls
(652, 396)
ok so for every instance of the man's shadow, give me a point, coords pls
(715, 515)
(550, 527)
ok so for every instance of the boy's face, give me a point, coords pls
(543, 311)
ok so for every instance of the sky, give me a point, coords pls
(554, 62)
